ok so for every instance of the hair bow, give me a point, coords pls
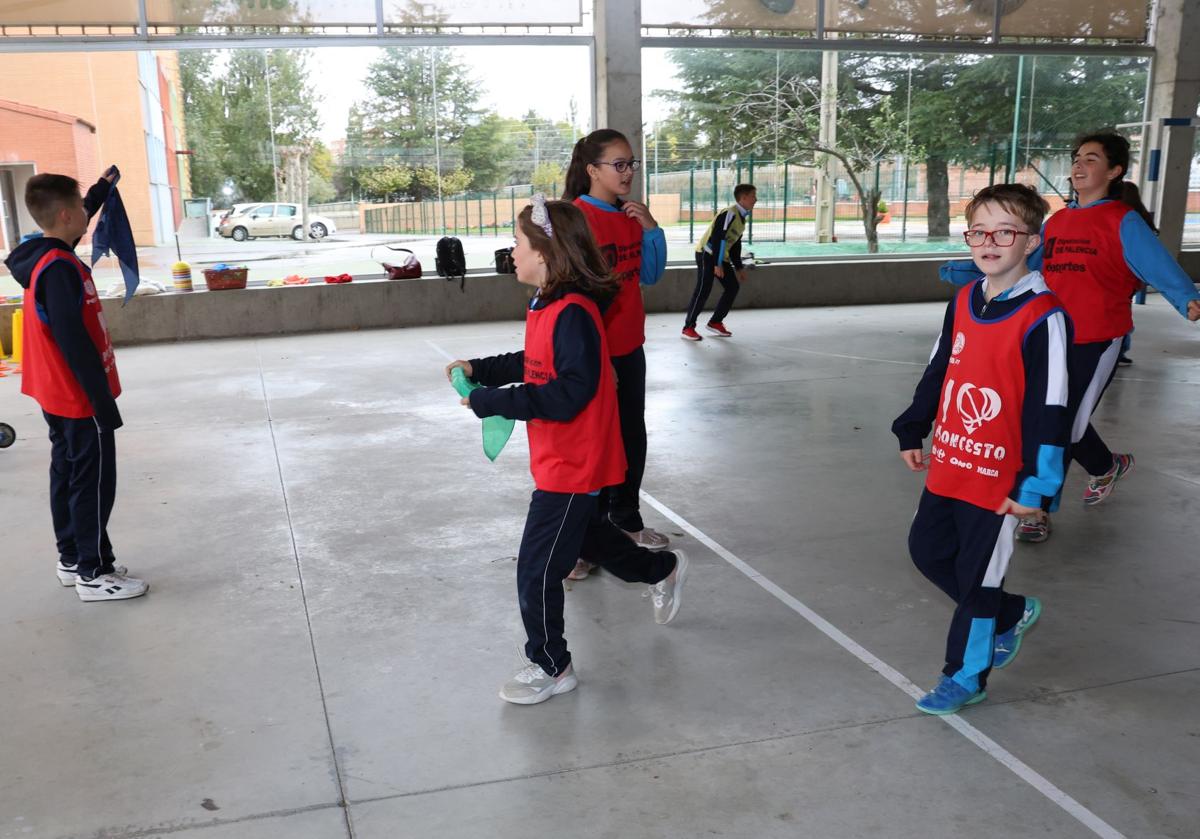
(540, 215)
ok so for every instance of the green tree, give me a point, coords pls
(229, 124)
(489, 149)
(398, 118)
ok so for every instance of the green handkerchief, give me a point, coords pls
(496, 430)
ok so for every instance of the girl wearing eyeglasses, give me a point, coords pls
(601, 172)
(1094, 254)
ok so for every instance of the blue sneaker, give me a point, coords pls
(948, 697)
(1008, 644)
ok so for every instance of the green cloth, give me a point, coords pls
(496, 430)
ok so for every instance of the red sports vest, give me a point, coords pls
(583, 454)
(1084, 265)
(46, 376)
(976, 448)
(620, 240)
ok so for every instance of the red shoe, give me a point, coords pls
(718, 328)
(690, 334)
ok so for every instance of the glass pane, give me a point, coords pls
(69, 12)
(482, 12)
(731, 14)
(286, 210)
(261, 12)
(1075, 19)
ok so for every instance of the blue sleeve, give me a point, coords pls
(959, 272)
(577, 376)
(1153, 264)
(914, 425)
(60, 294)
(654, 256)
(1045, 423)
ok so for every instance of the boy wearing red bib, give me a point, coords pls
(995, 396)
(568, 400)
(70, 370)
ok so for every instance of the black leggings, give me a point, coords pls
(705, 265)
(622, 502)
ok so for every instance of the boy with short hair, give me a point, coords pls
(69, 368)
(995, 396)
(719, 254)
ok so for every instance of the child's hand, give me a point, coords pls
(465, 365)
(1193, 313)
(914, 459)
(111, 173)
(741, 275)
(719, 271)
(1012, 508)
(465, 401)
(639, 213)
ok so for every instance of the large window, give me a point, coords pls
(867, 152)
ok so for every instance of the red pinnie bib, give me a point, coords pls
(620, 240)
(1083, 263)
(976, 448)
(585, 453)
(46, 375)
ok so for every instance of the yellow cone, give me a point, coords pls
(18, 333)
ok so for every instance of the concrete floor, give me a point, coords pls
(332, 610)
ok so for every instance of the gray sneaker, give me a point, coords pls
(668, 594)
(532, 685)
(648, 538)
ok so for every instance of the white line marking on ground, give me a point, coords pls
(851, 357)
(440, 351)
(1085, 816)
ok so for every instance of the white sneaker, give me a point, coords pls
(668, 594)
(581, 570)
(67, 575)
(532, 685)
(110, 587)
(648, 538)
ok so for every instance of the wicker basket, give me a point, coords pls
(225, 278)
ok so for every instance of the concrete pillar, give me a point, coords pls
(618, 70)
(1175, 92)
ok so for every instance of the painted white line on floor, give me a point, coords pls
(440, 351)
(1085, 816)
(851, 357)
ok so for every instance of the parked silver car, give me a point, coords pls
(249, 221)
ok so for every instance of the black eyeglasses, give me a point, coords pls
(1000, 238)
(621, 166)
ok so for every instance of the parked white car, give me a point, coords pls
(249, 221)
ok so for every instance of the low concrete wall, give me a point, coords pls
(397, 303)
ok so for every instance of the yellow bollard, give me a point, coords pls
(18, 333)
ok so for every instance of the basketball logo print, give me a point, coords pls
(977, 405)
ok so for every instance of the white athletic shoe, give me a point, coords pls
(110, 587)
(532, 685)
(668, 594)
(648, 538)
(67, 575)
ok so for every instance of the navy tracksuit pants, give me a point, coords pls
(1090, 369)
(705, 266)
(621, 501)
(83, 487)
(964, 550)
(559, 529)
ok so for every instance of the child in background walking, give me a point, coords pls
(601, 171)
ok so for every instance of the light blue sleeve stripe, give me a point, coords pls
(1146, 257)
(654, 255)
(1048, 479)
(721, 254)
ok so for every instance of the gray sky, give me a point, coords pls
(513, 78)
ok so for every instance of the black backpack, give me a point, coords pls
(450, 261)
